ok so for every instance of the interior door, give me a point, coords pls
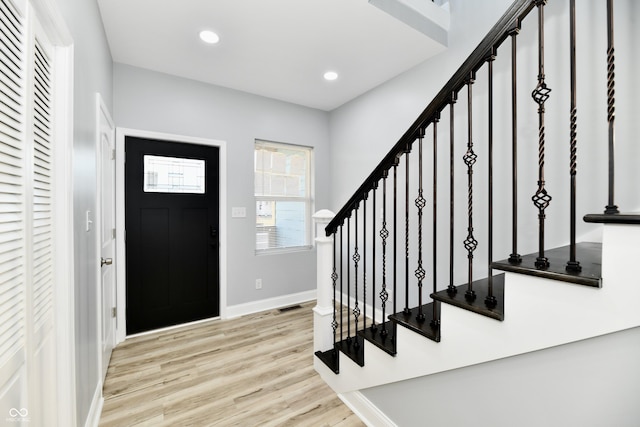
(106, 138)
(171, 217)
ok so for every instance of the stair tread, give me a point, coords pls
(481, 288)
(354, 351)
(387, 344)
(330, 358)
(424, 328)
(620, 218)
(589, 255)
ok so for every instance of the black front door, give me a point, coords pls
(171, 219)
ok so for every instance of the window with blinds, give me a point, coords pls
(283, 196)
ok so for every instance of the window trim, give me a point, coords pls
(309, 200)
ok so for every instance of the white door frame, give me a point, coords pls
(121, 133)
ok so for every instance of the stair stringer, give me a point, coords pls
(539, 313)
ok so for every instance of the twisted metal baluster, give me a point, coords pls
(540, 94)
(470, 243)
(490, 299)
(420, 204)
(514, 257)
(384, 234)
(356, 260)
(573, 264)
(435, 320)
(611, 208)
(451, 289)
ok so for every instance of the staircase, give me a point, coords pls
(408, 284)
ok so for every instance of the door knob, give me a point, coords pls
(106, 261)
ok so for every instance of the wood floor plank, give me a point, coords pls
(256, 370)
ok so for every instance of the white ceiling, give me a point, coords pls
(275, 48)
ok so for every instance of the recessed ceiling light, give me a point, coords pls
(209, 37)
(330, 75)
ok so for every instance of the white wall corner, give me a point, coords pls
(424, 16)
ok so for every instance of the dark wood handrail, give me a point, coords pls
(496, 36)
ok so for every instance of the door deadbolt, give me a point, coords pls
(105, 261)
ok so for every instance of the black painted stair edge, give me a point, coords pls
(619, 218)
(589, 255)
(426, 327)
(374, 335)
(330, 358)
(354, 348)
(477, 305)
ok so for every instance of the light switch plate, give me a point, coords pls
(238, 212)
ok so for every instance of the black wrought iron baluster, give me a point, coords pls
(348, 280)
(451, 289)
(364, 261)
(435, 320)
(374, 328)
(407, 310)
(341, 283)
(396, 162)
(470, 243)
(611, 208)
(514, 257)
(490, 299)
(356, 261)
(573, 264)
(540, 94)
(334, 278)
(420, 204)
(384, 234)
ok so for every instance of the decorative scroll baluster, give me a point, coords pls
(514, 257)
(573, 264)
(407, 310)
(341, 283)
(384, 234)
(334, 278)
(348, 280)
(540, 95)
(611, 208)
(356, 260)
(435, 320)
(470, 243)
(451, 289)
(420, 204)
(490, 299)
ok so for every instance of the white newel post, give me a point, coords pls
(323, 311)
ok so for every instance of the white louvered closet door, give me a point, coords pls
(27, 346)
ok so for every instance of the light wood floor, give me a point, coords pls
(253, 371)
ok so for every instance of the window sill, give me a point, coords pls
(279, 251)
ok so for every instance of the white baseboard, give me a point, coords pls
(93, 418)
(365, 410)
(234, 311)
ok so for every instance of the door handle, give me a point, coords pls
(105, 261)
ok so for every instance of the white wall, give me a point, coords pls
(92, 73)
(158, 102)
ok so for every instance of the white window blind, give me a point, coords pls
(283, 196)
(12, 177)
